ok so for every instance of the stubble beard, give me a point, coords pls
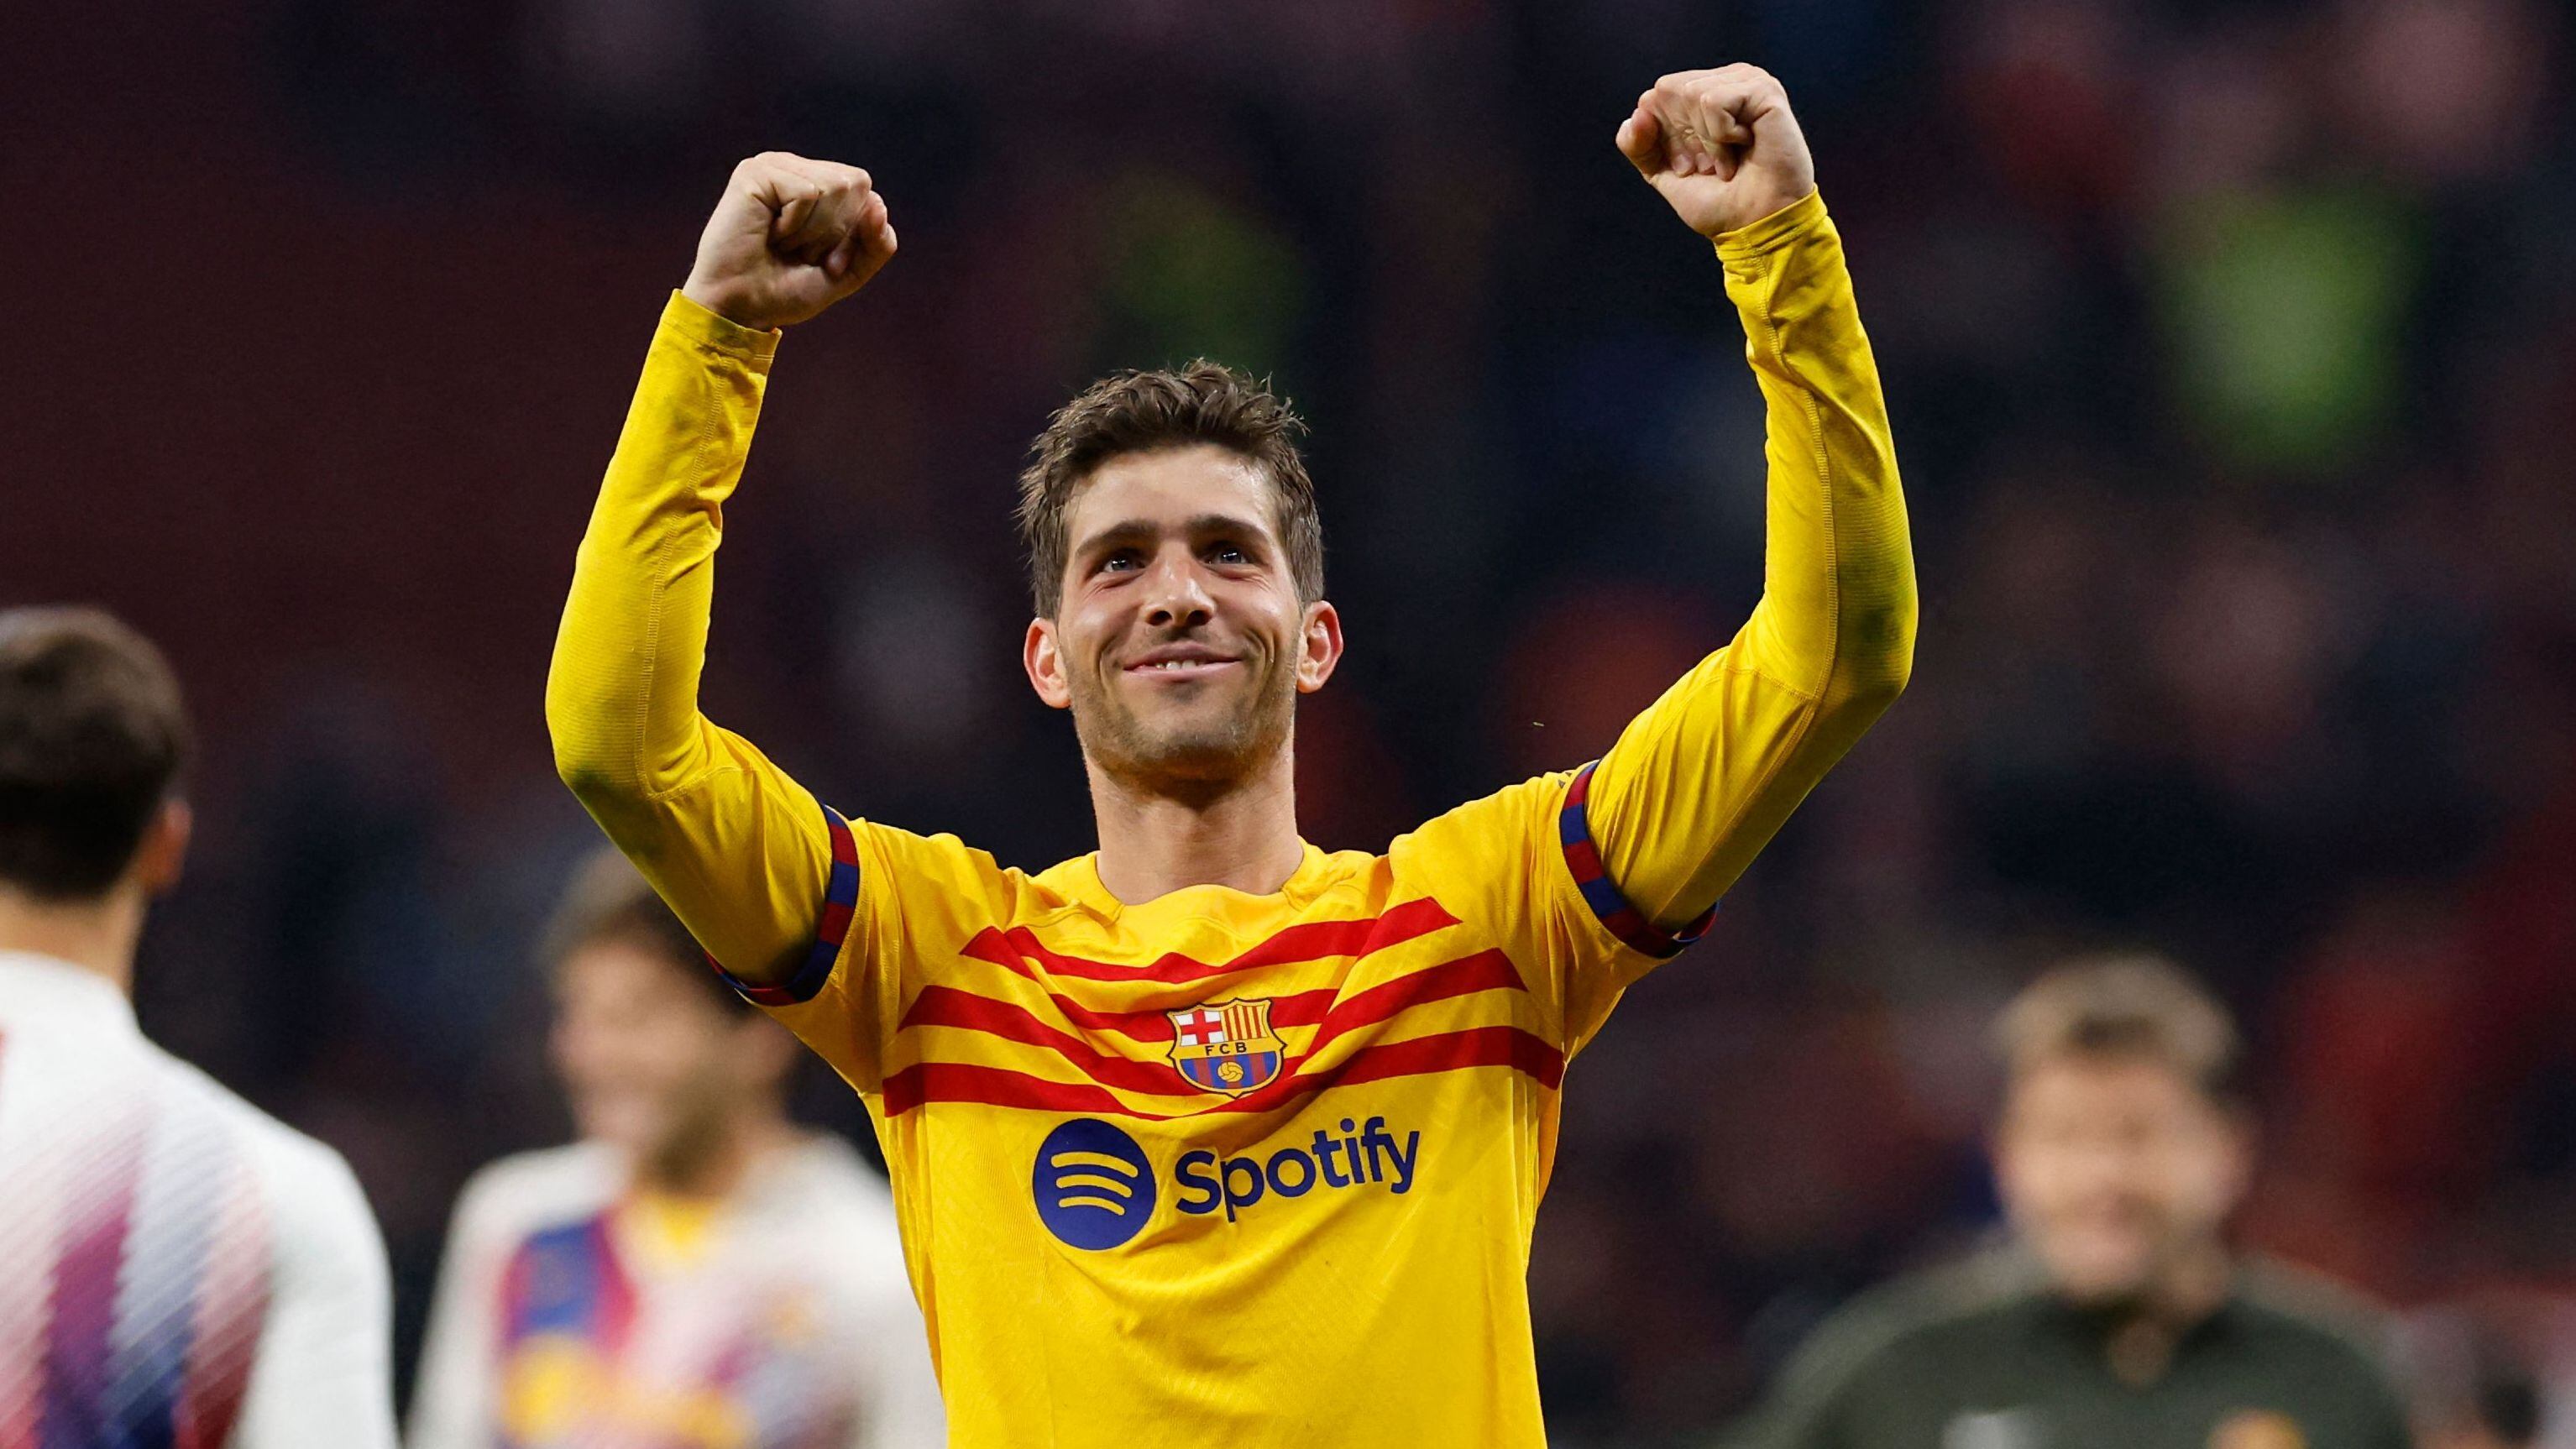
(1202, 756)
(2135, 1289)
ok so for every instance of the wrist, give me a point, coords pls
(730, 307)
(707, 327)
(1783, 224)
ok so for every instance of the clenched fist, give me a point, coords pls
(790, 238)
(1720, 145)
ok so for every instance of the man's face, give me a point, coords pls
(1180, 644)
(2115, 1168)
(648, 1060)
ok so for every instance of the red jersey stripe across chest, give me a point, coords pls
(1126, 1049)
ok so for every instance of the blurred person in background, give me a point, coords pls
(2119, 1315)
(655, 1285)
(175, 1266)
(2479, 1371)
(2505, 1412)
(1212, 1134)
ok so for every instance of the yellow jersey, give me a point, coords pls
(1216, 1167)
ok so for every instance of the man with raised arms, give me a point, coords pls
(1211, 1132)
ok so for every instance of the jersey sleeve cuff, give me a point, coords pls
(832, 930)
(1583, 858)
(702, 326)
(1779, 229)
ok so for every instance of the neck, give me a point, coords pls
(1156, 837)
(2145, 1332)
(716, 1163)
(96, 935)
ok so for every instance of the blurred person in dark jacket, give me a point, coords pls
(2118, 1315)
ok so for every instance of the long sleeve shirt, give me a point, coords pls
(1261, 1164)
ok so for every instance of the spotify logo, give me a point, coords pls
(1093, 1186)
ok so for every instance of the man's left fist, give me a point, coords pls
(1720, 145)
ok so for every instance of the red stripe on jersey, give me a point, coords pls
(89, 1262)
(1308, 941)
(1484, 971)
(232, 1306)
(1449, 1051)
(1475, 1046)
(1303, 1008)
(997, 1087)
(948, 1006)
(952, 1007)
(1481, 1046)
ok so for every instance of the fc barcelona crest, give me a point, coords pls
(1226, 1046)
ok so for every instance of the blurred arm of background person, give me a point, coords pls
(2121, 1314)
(1698, 783)
(889, 1360)
(175, 1265)
(323, 1371)
(454, 1393)
(741, 850)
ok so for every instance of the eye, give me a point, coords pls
(1119, 562)
(1226, 553)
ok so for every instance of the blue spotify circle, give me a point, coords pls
(1093, 1186)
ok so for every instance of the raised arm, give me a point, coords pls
(1698, 784)
(740, 850)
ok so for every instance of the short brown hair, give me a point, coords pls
(93, 737)
(1137, 412)
(2133, 1005)
(608, 902)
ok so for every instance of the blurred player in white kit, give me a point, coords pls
(697, 1272)
(176, 1268)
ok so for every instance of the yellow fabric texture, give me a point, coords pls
(1256, 1170)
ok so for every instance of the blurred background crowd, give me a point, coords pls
(2232, 354)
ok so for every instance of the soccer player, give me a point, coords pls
(2120, 1317)
(696, 1272)
(1212, 1136)
(175, 1267)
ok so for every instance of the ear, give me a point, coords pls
(163, 853)
(1319, 647)
(1045, 664)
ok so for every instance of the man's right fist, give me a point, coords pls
(790, 238)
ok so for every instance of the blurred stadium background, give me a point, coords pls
(2232, 348)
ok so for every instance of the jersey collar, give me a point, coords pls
(41, 990)
(1303, 884)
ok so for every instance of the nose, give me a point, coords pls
(1177, 597)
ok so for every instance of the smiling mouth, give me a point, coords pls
(1181, 668)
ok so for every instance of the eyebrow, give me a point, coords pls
(1144, 530)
